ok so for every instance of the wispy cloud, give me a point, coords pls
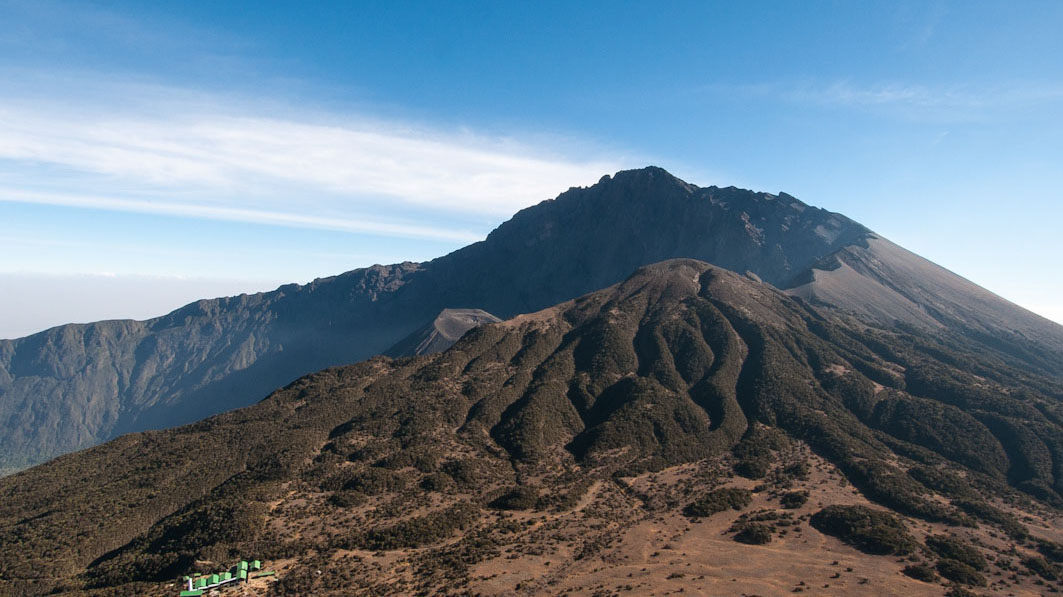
(254, 216)
(919, 22)
(905, 99)
(965, 102)
(846, 94)
(220, 160)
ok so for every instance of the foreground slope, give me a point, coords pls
(74, 386)
(522, 459)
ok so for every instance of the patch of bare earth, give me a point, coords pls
(630, 536)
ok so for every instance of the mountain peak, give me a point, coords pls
(226, 353)
(649, 177)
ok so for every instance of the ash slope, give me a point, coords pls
(880, 281)
(679, 363)
(441, 333)
(74, 386)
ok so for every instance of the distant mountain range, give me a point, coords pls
(656, 433)
(75, 386)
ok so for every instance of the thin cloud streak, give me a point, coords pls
(949, 102)
(237, 215)
(957, 104)
(254, 166)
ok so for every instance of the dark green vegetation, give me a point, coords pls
(871, 531)
(375, 481)
(921, 572)
(73, 386)
(758, 527)
(681, 362)
(1042, 567)
(518, 498)
(793, 499)
(754, 533)
(955, 549)
(728, 498)
(991, 515)
(755, 452)
(1051, 550)
(957, 571)
(419, 531)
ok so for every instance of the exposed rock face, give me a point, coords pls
(446, 329)
(74, 386)
(679, 364)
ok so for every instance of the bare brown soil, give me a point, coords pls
(628, 536)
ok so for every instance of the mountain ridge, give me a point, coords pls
(73, 386)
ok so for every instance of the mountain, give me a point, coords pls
(651, 436)
(441, 333)
(882, 282)
(74, 386)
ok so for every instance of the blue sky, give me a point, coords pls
(153, 153)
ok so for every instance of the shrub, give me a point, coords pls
(440, 482)
(871, 531)
(798, 470)
(1042, 567)
(895, 489)
(569, 498)
(419, 531)
(754, 452)
(374, 481)
(754, 533)
(986, 513)
(718, 501)
(468, 473)
(421, 459)
(957, 571)
(518, 498)
(794, 499)
(942, 481)
(753, 468)
(1050, 549)
(923, 572)
(953, 549)
(347, 499)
